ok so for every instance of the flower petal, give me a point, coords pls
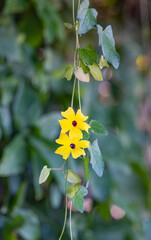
(77, 152)
(75, 140)
(83, 144)
(84, 126)
(80, 117)
(63, 139)
(64, 151)
(65, 125)
(75, 132)
(69, 114)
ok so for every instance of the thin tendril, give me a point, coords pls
(71, 221)
(66, 198)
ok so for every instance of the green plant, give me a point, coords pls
(86, 62)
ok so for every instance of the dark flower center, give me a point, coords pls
(74, 123)
(72, 145)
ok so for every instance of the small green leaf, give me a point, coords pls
(78, 202)
(71, 191)
(86, 170)
(72, 177)
(87, 17)
(96, 72)
(88, 54)
(68, 72)
(102, 62)
(68, 25)
(98, 128)
(106, 41)
(44, 174)
(85, 135)
(82, 191)
(96, 159)
(84, 67)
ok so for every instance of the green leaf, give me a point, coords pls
(78, 202)
(72, 177)
(82, 191)
(37, 164)
(26, 103)
(52, 23)
(86, 170)
(44, 174)
(96, 72)
(88, 54)
(71, 191)
(102, 62)
(20, 197)
(106, 41)
(30, 230)
(68, 72)
(15, 6)
(86, 135)
(32, 28)
(14, 157)
(98, 128)
(48, 125)
(96, 159)
(84, 67)
(8, 45)
(87, 17)
(11, 225)
(68, 25)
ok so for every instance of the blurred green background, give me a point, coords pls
(34, 48)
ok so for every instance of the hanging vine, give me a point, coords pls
(75, 132)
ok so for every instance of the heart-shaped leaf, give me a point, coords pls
(86, 17)
(106, 41)
(44, 174)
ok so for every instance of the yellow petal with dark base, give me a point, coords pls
(77, 152)
(65, 125)
(75, 132)
(84, 126)
(69, 113)
(83, 144)
(64, 151)
(80, 117)
(63, 139)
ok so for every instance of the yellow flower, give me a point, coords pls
(73, 123)
(71, 145)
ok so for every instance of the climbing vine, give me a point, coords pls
(75, 132)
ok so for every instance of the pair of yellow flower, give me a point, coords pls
(71, 134)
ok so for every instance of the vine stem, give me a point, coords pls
(71, 221)
(66, 198)
(73, 12)
(57, 169)
(79, 93)
(73, 92)
(76, 58)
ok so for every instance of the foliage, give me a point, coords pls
(33, 46)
